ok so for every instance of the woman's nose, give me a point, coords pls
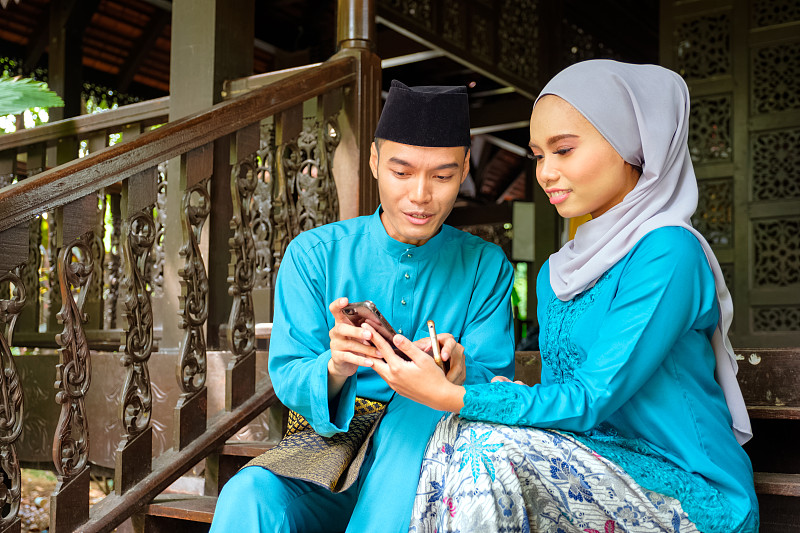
(545, 172)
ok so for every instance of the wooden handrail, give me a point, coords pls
(156, 110)
(58, 186)
(114, 509)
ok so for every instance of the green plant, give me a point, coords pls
(18, 94)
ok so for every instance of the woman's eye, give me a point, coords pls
(563, 151)
(535, 157)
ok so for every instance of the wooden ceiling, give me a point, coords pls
(126, 47)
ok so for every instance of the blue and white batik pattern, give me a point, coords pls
(479, 476)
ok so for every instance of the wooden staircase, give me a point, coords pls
(169, 513)
(236, 162)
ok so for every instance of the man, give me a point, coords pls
(413, 268)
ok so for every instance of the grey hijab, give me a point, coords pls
(643, 112)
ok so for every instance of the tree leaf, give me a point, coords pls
(19, 94)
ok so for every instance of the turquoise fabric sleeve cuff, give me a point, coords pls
(330, 418)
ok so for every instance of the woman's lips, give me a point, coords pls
(558, 196)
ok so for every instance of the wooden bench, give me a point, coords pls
(770, 382)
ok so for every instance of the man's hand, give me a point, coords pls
(420, 379)
(350, 348)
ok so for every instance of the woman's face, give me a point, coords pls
(575, 165)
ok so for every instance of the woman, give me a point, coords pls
(635, 424)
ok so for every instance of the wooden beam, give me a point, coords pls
(55, 187)
(68, 20)
(142, 48)
(148, 113)
(36, 45)
(501, 110)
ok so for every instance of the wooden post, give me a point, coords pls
(69, 503)
(134, 453)
(356, 38)
(68, 19)
(212, 41)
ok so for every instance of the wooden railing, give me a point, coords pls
(282, 138)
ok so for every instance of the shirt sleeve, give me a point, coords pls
(663, 293)
(488, 340)
(300, 345)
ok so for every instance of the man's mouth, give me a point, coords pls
(418, 218)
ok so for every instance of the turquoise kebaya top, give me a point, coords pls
(456, 279)
(628, 367)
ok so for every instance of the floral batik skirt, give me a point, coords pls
(486, 477)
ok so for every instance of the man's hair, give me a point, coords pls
(379, 141)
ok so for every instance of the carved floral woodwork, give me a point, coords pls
(74, 371)
(295, 192)
(95, 295)
(137, 400)
(194, 289)
(155, 263)
(53, 294)
(113, 265)
(242, 268)
(30, 270)
(11, 409)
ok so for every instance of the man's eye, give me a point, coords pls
(443, 178)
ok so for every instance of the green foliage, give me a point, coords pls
(19, 94)
(519, 292)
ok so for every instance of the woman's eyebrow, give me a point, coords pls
(555, 139)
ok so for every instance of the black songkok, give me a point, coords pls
(425, 116)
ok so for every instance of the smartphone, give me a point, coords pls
(366, 311)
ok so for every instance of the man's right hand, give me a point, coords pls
(350, 348)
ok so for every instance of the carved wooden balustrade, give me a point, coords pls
(30, 152)
(283, 131)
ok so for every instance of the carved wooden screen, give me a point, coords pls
(741, 60)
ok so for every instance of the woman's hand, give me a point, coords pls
(505, 379)
(420, 379)
(450, 351)
(350, 348)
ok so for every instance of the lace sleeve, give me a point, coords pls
(494, 402)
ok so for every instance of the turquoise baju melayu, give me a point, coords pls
(628, 370)
(460, 281)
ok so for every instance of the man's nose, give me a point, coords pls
(421, 191)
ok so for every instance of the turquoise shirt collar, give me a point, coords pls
(396, 248)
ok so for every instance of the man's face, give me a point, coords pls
(418, 186)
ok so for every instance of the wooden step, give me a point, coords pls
(183, 507)
(777, 484)
(229, 459)
(245, 449)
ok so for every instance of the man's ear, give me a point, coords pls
(373, 160)
(466, 166)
